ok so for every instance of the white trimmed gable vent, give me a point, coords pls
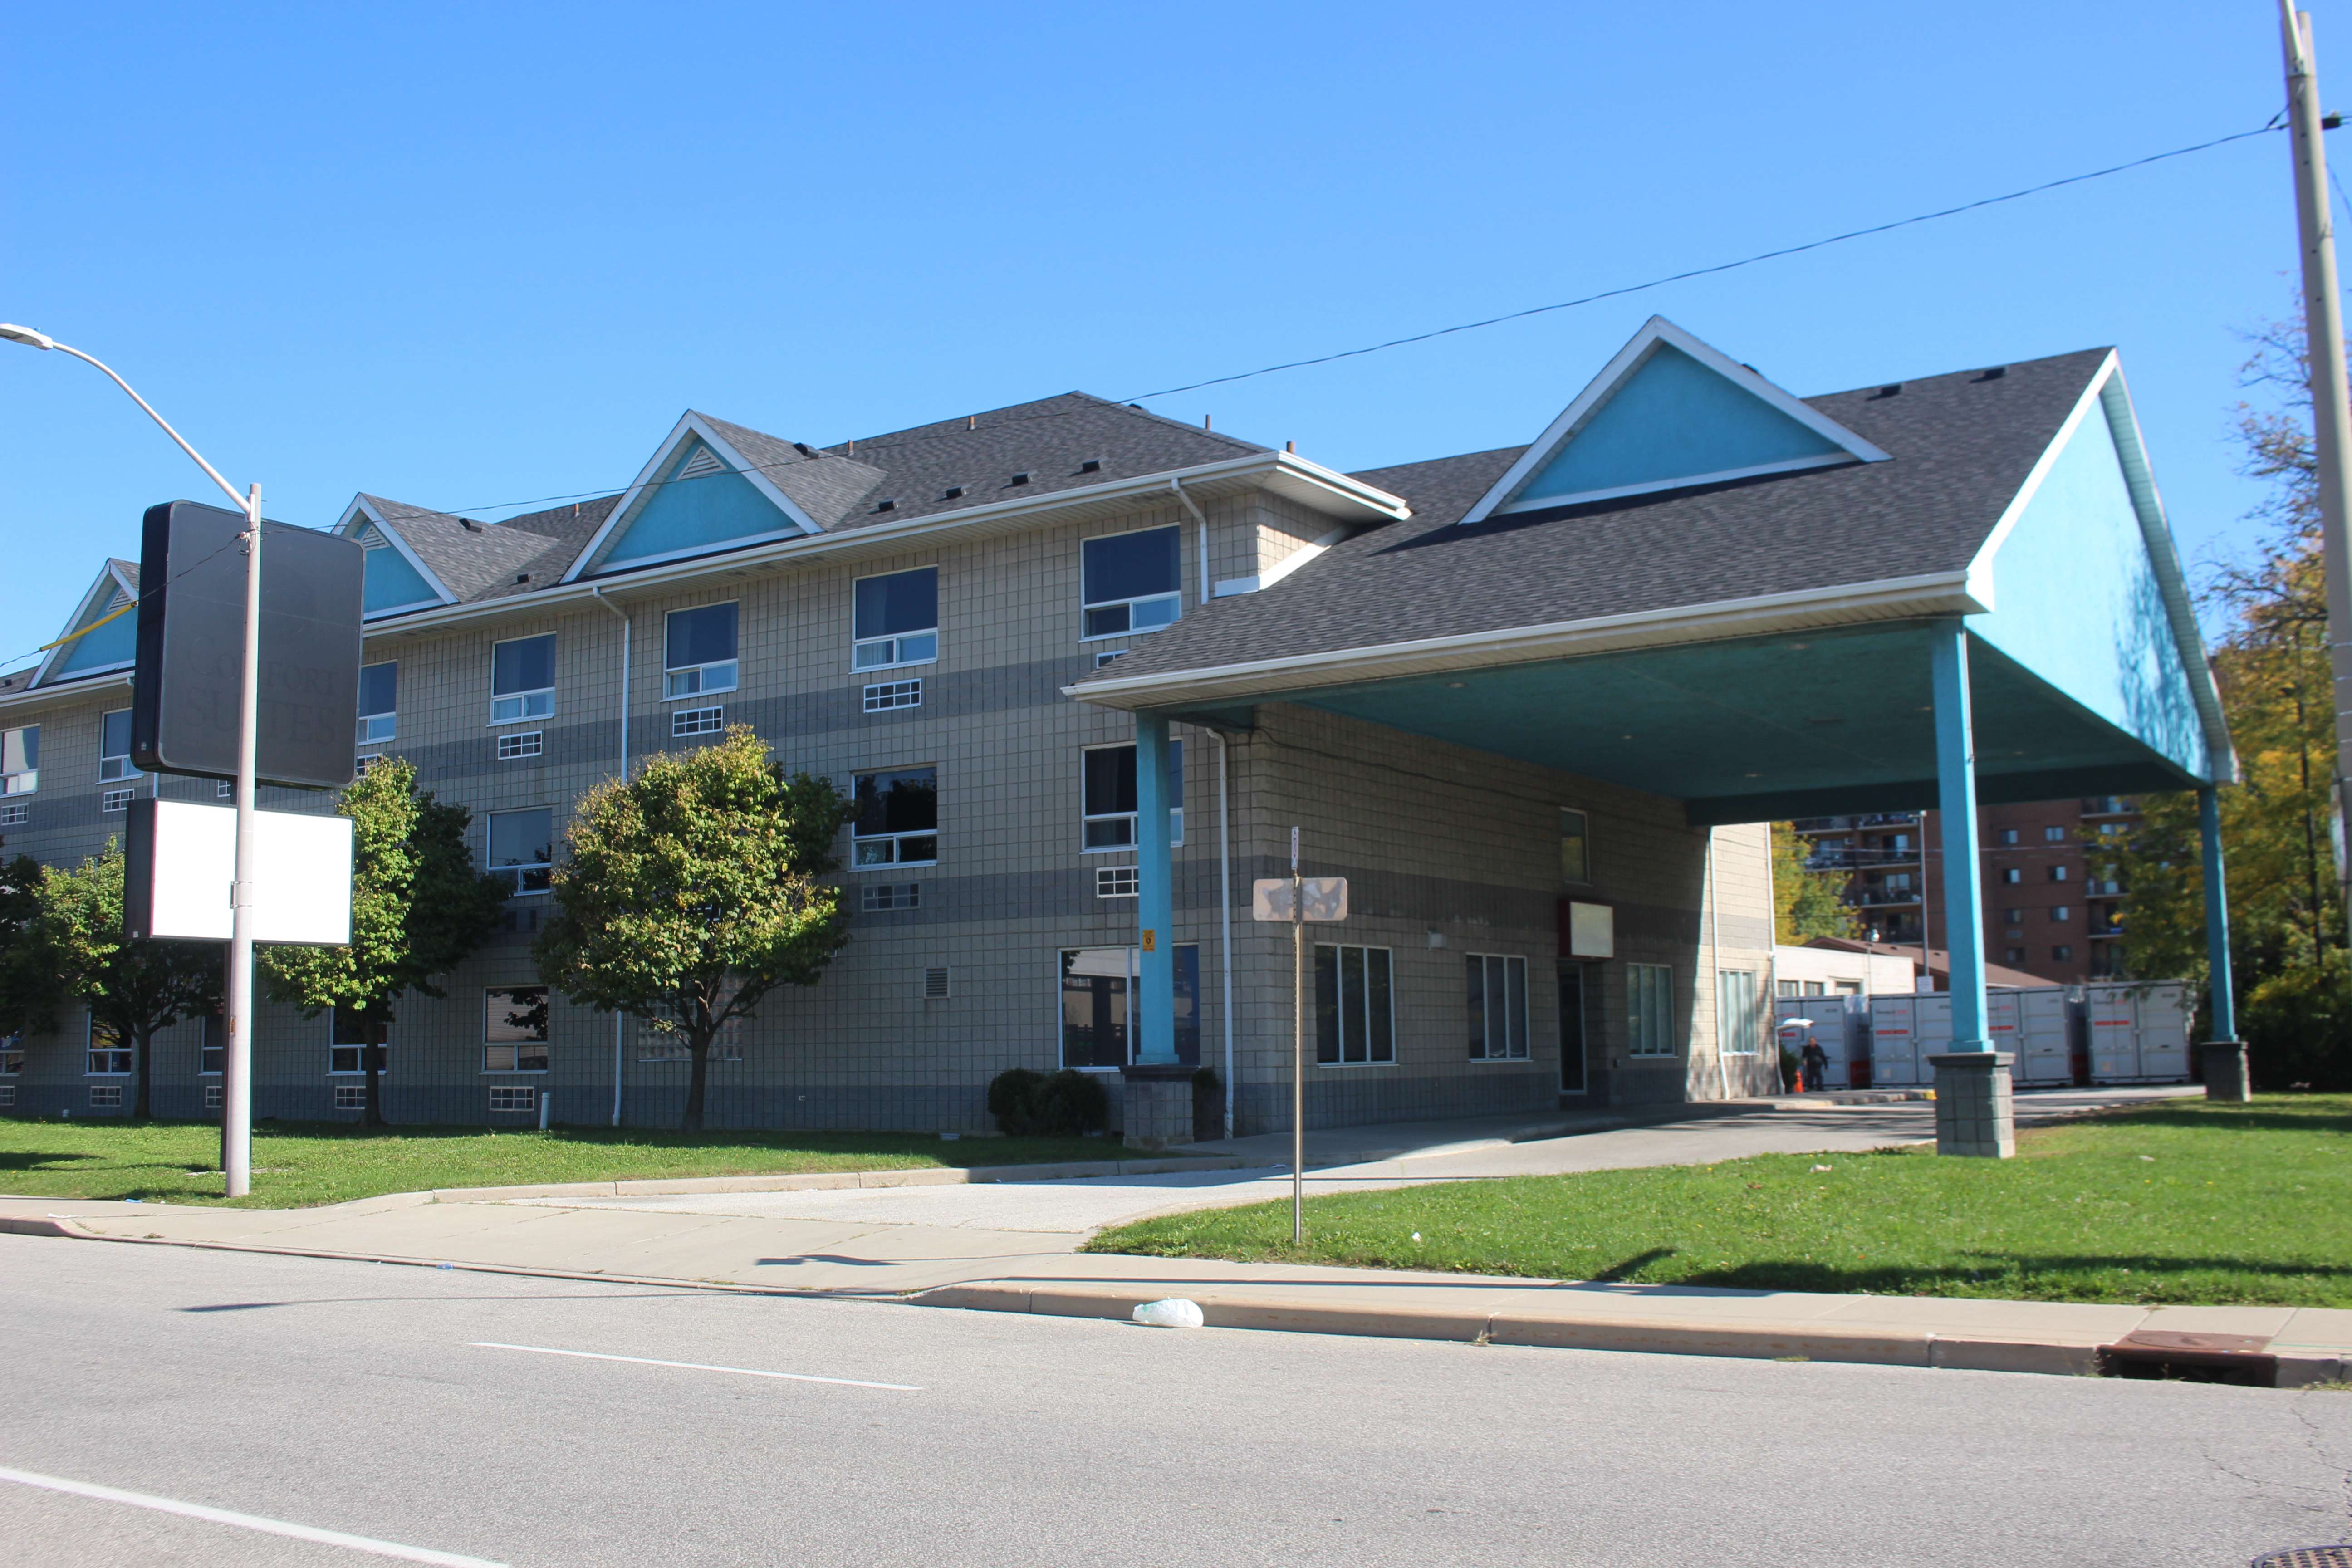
(372, 538)
(704, 461)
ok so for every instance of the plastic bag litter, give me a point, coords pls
(1175, 1312)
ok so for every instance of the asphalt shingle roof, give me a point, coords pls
(1961, 446)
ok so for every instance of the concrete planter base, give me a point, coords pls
(2225, 1070)
(1975, 1113)
(1156, 1104)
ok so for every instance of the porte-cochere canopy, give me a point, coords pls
(1696, 584)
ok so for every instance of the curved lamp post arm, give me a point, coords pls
(31, 338)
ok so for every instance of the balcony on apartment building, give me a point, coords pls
(1884, 898)
(2109, 805)
(1887, 819)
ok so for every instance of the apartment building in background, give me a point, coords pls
(2053, 900)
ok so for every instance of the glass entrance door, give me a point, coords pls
(1571, 1027)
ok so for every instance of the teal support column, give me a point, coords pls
(1956, 810)
(1155, 899)
(2217, 916)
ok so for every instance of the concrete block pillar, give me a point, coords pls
(1975, 1116)
(1155, 1105)
(2224, 1057)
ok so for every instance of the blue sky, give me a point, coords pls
(464, 256)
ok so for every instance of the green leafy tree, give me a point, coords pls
(2269, 663)
(418, 907)
(688, 893)
(28, 988)
(134, 989)
(1805, 903)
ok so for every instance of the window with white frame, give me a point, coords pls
(212, 1097)
(659, 1041)
(1131, 580)
(350, 1095)
(212, 1047)
(1099, 995)
(1496, 990)
(898, 820)
(517, 745)
(14, 813)
(106, 1097)
(109, 1052)
(12, 1054)
(895, 619)
(1738, 1027)
(379, 702)
(347, 1044)
(514, 1029)
(114, 747)
(1575, 848)
(1649, 1010)
(514, 1097)
(698, 651)
(884, 696)
(1109, 787)
(1355, 1005)
(20, 760)
(1116, 882)
(116, 799)
(522, 679)
(522, 845)
(876, 897)
(685, 722)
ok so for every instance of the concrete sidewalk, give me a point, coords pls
(938, 1238)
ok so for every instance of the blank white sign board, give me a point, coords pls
(1321, 898)
(1592, 931)
(182, 857)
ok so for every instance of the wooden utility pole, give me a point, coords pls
(2331, 406)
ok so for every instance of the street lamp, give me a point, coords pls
(236, 1064)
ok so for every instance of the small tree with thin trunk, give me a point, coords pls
(418, 907)
(135, 989)
(688, 893)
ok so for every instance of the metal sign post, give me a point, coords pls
(1299, 900)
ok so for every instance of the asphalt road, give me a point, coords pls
(373, 1400)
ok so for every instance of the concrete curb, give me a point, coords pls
(1765, 1341)
(815, 1181)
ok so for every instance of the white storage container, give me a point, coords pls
(2030, 1025)
(1840, 1024)
(2137, 1030)
(1905, 1031)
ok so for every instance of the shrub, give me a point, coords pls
(1069, 1103)
(2297, 1027)
(1013, 1100)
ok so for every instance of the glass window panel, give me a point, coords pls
(516, 1014)
(526, 664)
(1327, 1003)
(906, 801)
(1379, 1007)
(1188, 1003)
(1574, 863)
(379, 687)
(1475, 968)
(1516, 987)
(525, 841)
(1131, 565)
(900, 603)
(1353, 1045)
(1110, 779)
(115, 739)
(1094, 1006)
(705, 635)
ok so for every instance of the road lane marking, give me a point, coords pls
(698, 1366)
(248, 1521)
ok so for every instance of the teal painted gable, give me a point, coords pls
(392, 583)
(115, 643)
(1673, 419)
(2076, 602)
(701, 513)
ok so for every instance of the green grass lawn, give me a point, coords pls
(2180, 1201)
(299, 1163)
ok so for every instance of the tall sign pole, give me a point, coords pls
(1297, 1052)
(2331, 405)
(236, 1064)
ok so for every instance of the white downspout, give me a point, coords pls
(1202, 520)
(1715, 969)
(1225, 914)
(1773, 961)
(618, 1025)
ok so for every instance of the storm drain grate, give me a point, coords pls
(2243, 1359)
(2307, 1557)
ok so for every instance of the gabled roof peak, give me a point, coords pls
(1669, 412)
